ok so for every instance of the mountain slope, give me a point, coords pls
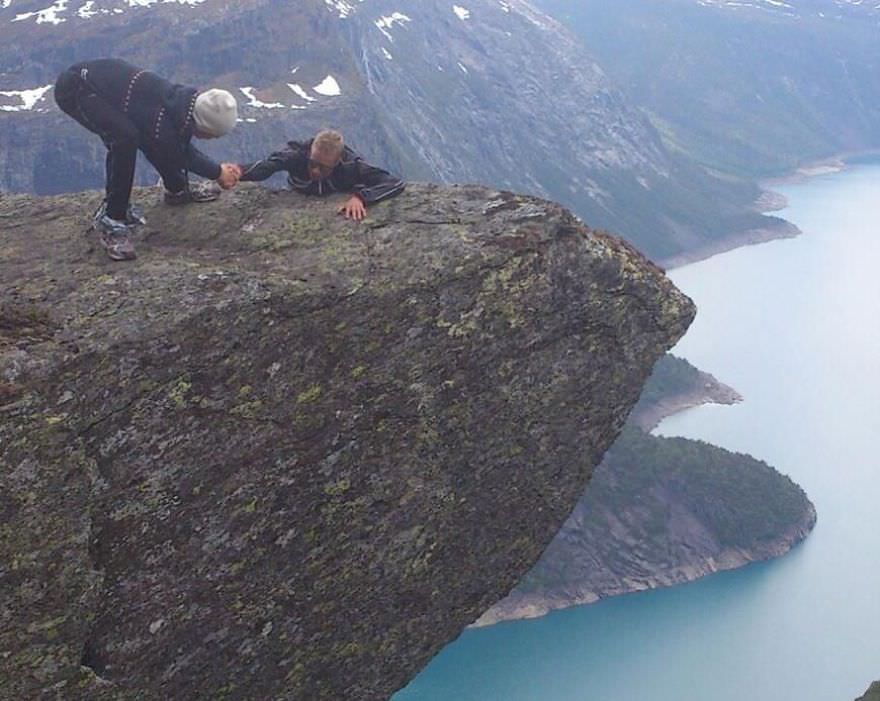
(494, 92)
(753, 88)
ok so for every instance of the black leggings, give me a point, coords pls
(121, 137)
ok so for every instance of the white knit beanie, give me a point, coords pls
(215, 112)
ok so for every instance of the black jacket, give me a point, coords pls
(161, 110)
(352, 174)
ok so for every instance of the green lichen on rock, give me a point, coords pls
(273, 433)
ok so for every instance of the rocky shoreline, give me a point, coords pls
(519, 606)
(825, 166)
(767, 202)
(771, 201)
(710, 391)
(780, 229)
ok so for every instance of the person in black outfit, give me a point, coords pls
(325, 165)
(130, 109)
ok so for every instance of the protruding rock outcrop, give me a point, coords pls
(872, 694)
(284, 456)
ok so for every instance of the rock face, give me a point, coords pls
(283, 456)
(872, 694)
(498, 93)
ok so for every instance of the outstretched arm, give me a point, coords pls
(200, 164)
(260, 170)
(374, 184)
(226, 174)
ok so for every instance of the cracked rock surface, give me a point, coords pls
(284, 456)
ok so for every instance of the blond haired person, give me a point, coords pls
(323, 166)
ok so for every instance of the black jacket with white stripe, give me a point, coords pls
(352, 174)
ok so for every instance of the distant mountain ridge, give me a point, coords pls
(832, 9)
(755, 88)
(487, 91)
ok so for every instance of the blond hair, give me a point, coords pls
(329, 142)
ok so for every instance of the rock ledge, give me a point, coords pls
(283, 456)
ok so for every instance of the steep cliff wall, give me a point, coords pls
(283, 456)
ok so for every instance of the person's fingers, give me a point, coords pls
(353, 210)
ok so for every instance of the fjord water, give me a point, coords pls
(794, 325)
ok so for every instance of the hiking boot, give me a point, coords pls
(99, 213)
(196, 192)
(115, 239)
(134, 215)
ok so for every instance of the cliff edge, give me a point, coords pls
(872, 694)
(285, 456)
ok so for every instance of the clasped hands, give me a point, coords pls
(230, 174)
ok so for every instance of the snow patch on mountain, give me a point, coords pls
(328, 87)
(298, 89)
(254, 101)
(384, 24)
(49, 15)
(23, 100)
(61, 10)
(342, 8)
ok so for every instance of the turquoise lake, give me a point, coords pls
(794, 326)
